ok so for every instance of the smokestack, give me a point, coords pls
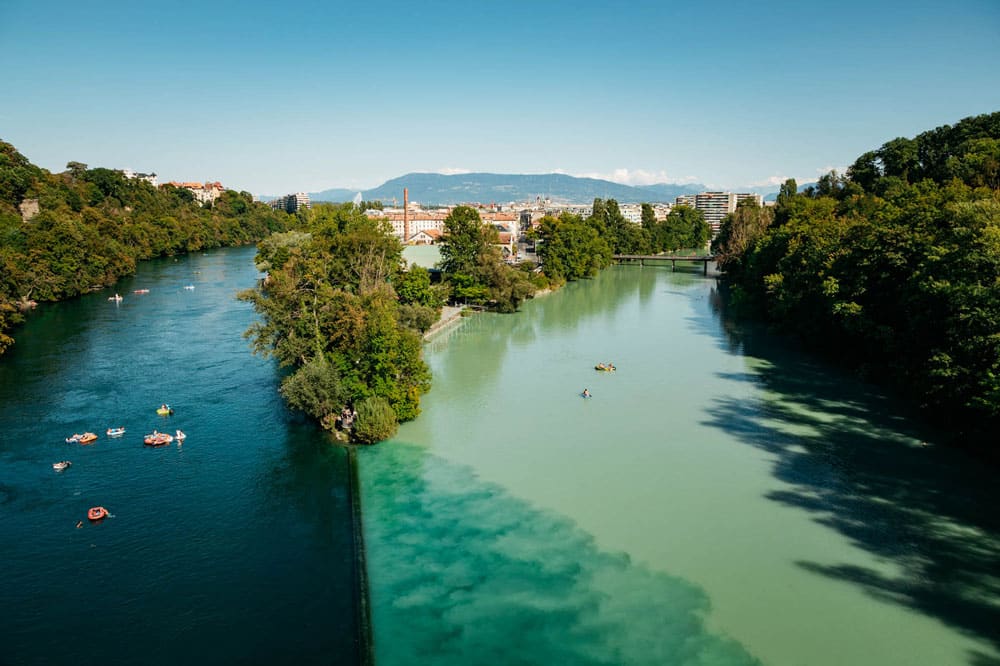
(406, 215)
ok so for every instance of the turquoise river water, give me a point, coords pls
(721, 499)
(233, 548)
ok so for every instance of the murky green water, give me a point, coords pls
(720, 500)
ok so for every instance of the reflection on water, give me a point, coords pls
(468, 573)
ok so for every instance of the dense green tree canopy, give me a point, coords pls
(330, 310)
(894, 268)
(86, 228)
(474, 267)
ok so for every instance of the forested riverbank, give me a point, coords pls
(341, 308)
(68, 233)
(892, 268)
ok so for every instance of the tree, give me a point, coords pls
(76, 169)
(465, 238)
(571, 249)
(414, 287)
(376, 421)
(684, 227)
(648, 218)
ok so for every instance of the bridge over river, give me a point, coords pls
(642, 259)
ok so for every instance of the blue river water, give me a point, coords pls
(235, 547)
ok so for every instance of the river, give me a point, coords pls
(722, 499)
(235, 547)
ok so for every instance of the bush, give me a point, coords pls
(376, 421)
(316, 389)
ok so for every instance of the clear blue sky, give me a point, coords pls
(275, 97)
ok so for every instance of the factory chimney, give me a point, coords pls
(406, 215)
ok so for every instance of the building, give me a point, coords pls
(715, 205)
(631, 212)
(291, 203)
(132, 175)
(203, 192)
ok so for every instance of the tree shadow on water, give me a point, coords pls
(860, 465)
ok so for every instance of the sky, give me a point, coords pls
(276, 97)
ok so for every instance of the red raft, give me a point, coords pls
(158, 439)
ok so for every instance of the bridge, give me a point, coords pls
(672, 258)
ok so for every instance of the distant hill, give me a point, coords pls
(335, 194)
(773, 196)
(436, 188)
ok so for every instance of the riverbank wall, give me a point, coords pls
(362, 605)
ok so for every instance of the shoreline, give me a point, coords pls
(362, 605)
(449, 315)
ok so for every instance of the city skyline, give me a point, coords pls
(307, 97)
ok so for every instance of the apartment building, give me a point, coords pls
(291, 203)
(716, 205)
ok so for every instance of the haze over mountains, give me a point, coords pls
(436, 188)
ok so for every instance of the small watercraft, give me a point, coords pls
(116, 298)
(61, 465)
(602, 367)
(87, 438)
(157, 439)
(189, 287)
(141, 291)
(116, 432)
(97, 513)
(180, 436)
(74, 439)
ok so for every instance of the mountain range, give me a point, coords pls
(436, 188)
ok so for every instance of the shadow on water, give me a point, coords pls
(857, 462)
(463, 572)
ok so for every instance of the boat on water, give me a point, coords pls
(86, 438)
(140, 291)
(157, 439)
(605, 367)
(189, 287)
(116, 298)
(116, 432)
(97, 513)
(61, 465)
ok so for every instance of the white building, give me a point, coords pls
(715, 205)
(203, 192)
(291, 203)
(132, 175)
